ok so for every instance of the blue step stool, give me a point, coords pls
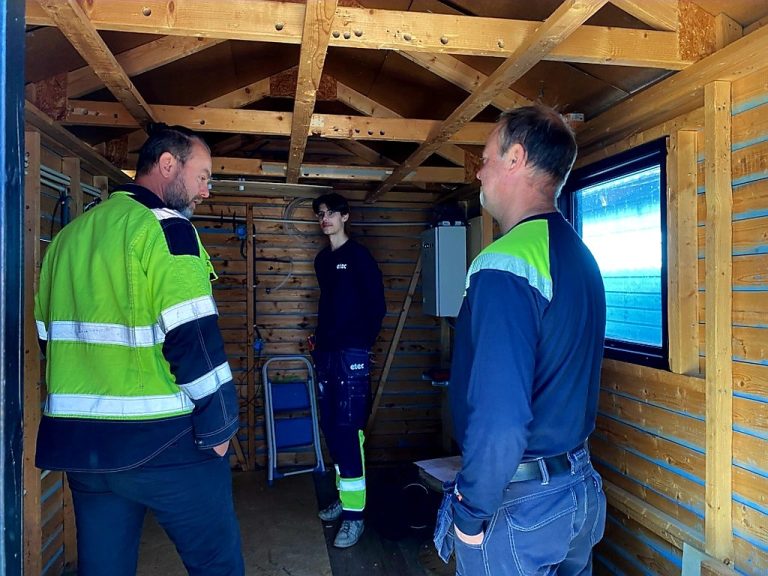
(290, 410)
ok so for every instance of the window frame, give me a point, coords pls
(640, 157)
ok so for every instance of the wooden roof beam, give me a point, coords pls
(318, 18)
(658, 14)
(677, 95)
(560, 25)
(464, 76)
(332, 126)
(268, 21)
(139, 60)
(76, 26)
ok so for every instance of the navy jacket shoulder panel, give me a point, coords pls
(180, 236)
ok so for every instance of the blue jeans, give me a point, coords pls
(192, 502)
(543, 527)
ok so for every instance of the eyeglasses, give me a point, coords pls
(323, 213)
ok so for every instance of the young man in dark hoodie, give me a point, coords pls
(350, 312)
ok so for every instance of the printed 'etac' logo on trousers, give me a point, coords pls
(356, 366)
(341, 266)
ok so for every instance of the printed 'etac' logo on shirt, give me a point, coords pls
(341, 266)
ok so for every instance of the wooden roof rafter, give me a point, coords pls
(282, 22)
(560, 25)
(370, 107)
(658, 14)
(464, 76)
(77, 27)
(316, 33)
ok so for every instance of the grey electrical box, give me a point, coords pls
(444, 268)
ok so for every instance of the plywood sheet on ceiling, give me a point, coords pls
(414, 92)
(48, 53)
(121, 41)
(623, 77)
(609, 15)
(215, 71)
(745, 12)
(358, 69)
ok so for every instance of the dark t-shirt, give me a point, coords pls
(352, 303)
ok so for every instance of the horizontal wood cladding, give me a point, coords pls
(641, 551)
(649, 441)
(286, 238)
(651, 429)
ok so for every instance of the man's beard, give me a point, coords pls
(175, 197)
(482, 197)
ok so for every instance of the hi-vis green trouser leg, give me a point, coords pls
(352, 489)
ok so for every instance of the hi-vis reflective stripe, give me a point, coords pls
(167, 213)
(208, 383)
(95, 333)
(93, 406)
(351, 485)
(42, 333)
(514, 264)
(183, 312)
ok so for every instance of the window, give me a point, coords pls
(618, 207)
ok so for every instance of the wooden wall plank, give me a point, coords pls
(682, 252)
(250, 340)
(719, 380)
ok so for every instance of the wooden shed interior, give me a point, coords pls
(389, 102)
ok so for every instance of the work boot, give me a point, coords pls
(349, 533)
(330, 513)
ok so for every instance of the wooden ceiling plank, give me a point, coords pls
(318, 19)
(370, 107)
(658, 14)
(464, 76)
(269, 21)
(678, 94)
(72, 145)
(560, 25)
(139, 60)
(267, 123)
(75, 25)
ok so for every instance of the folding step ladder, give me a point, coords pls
(290, 411)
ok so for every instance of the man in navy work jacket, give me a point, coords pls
(141, 404)
(526, 369)
(350, 312)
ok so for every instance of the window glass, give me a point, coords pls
(619, 221)
(618, 207)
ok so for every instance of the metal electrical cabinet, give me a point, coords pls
(444, 267)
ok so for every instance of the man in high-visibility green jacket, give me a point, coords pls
(141, 404)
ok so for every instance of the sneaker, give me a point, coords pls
(331, 513)
(349, 533)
